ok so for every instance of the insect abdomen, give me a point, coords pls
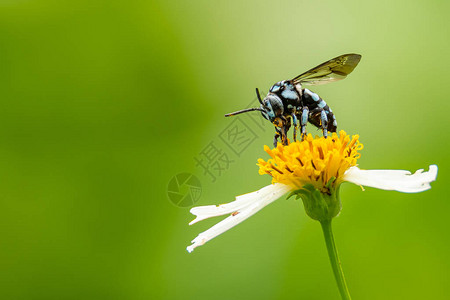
(316, 105)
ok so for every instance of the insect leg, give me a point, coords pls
(324, 122)
(295, 121)
(283, 135)
(304, 121)
(277, 135)
(285, 128)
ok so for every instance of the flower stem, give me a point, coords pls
(334, 259)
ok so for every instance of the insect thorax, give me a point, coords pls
(288, 94)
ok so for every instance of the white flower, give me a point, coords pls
(319, 163)
(247, 205)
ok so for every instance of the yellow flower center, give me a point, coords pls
(312, 161)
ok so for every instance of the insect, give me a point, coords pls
(288, 102)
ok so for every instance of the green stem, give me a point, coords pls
(334, 259)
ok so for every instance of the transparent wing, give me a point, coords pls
(335, 69)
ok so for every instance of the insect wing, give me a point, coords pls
(333, 70)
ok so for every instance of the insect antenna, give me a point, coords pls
(243, 111)
(259, 97)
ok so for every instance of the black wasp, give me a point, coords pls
(287, 100)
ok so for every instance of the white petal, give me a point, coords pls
(242, 201)
(397, 180)
(247, 205)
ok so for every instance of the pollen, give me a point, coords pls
(318, 161)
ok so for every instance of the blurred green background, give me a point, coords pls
(103, 102)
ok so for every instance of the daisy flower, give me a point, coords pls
(313, 170)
